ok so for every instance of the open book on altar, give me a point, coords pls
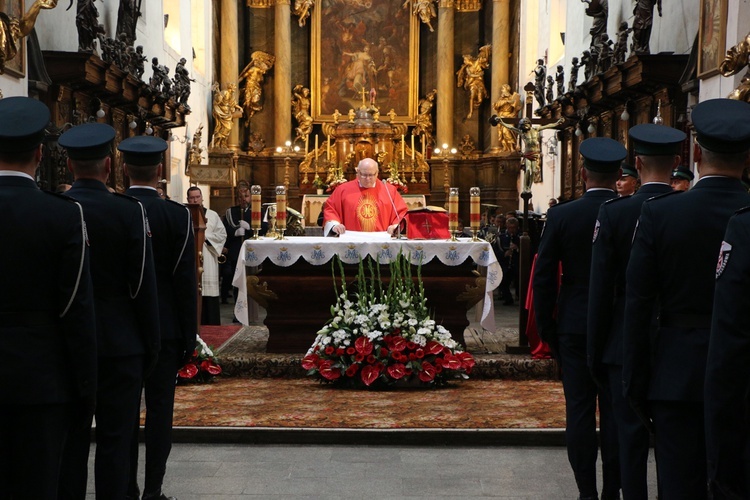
(364, 236)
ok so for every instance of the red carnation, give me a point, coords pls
(363, 345)
(310, 362)
(350, 350)
(371, 359)
(359, 357)
(384, 352)
(396, 371)
(340, 351)
(428, 372)
(369, 374)
(411, 345)
(188, 371)
(352, 370)
(329, 350)
(327, 371)
(419, 353)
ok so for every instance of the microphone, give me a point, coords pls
(494, 120)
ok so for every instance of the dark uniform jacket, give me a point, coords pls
(566, 239)
(174, 259)
(122, 270)
(609, 259)
(47, 324)
(672, 268)
(727, 407)
(232, 219)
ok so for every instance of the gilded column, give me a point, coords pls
(500, 55)
(230, 59)
(282, 82)
(446, 73)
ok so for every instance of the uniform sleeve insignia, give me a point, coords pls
(85, 234)
(148, 227)
(596, 231)
(726, 250)
(635, 231)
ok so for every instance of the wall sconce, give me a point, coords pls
(591, 128)
(149, 130)
(181, 140)
(132, 124)
(100, 113)
(578, 131)
(625, 116)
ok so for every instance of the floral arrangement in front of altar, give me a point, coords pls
(395, 178)
(202, 366)
(382, 335)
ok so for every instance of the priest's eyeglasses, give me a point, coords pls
(367, 175)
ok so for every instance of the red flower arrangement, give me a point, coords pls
(202, 366)
(385, 337)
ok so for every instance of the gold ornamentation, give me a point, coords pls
(507, 106)
(13, 29)
(259, 291)
(473, 294)
(471, 77)
(225, 110)
(736, 59)
(260, 63)
(302, 9)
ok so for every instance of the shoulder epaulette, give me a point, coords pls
(62, 196)
(614, 200)
(181, 205)
(663, 195)
(742, 210)
(561, 203)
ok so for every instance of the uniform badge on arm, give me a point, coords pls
(726, 249)
(596, 231)
(148, 228)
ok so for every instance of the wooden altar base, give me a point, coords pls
(305, 293)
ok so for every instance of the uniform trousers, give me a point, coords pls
(159, 389)
(31, 440)
(580, 414)
(120, 380)
(633, 440)
(680, 448)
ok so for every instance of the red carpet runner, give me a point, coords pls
(216, 335)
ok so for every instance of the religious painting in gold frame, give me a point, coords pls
(360, 45)
(16, 66)
(711, 37)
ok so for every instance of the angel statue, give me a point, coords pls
(302, 9)
(301, 109)
(225, 110)
(507, 106)
(260, 63)
(424, 118)
(196, 151)
(13, 29)
(736, 59)
(471, 77)
(425, 9)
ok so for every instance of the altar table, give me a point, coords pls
(293, 280)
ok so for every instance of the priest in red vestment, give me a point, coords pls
(363, 204)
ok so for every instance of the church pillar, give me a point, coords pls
(230, 60)
(445, 73)
(500, 55)
(282, 86)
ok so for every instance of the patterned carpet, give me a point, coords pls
(216, 335)
(303, 403)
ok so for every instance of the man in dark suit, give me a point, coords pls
(671, 273)
(566, 240)
(174, 260)
(127, 315)
(47, 323)
(656, 150)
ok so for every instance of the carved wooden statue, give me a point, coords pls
(642, 24)
(531, 137)
(471, 77)
(507, 106)
(302, 10)
(260, 63)
(621, 45)
(598, 10)
(737, 58)
(196, 152)
(225, 110)
(13, 29)
(573, 82)
(540, 76)
(301, 109)
(425, 9)
(87, 24)
(424, 118)
(127, 17)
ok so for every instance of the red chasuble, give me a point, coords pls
(365, 209)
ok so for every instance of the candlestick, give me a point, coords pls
(306, 148)
(281, 210)
(328, 151)
(412, 148)
(453, 212)
(474, 216)
(316, 148)
(403, 150)
(255, 209)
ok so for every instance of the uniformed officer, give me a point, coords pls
(682, 177)
(663, 371)
(122, 270)
(627, 184)
(567, 239)
(174, 260)
(656, 149)
(47, 323)
(237, 221)
(728, 365)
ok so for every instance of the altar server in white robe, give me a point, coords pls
(215, 237)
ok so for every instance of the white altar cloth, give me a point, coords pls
(320, 250)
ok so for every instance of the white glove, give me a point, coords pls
(240, 231)
(244, 225)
